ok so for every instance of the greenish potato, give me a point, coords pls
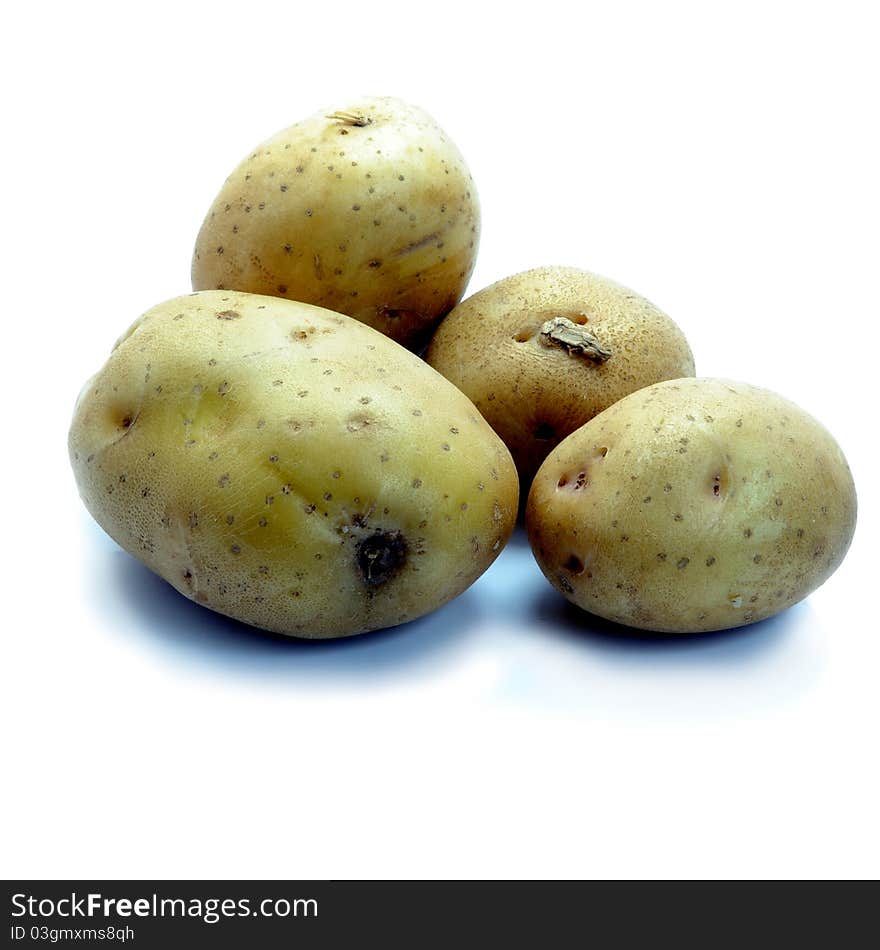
(365, 207)
(692, 505)
(542, 352)
(289, 466)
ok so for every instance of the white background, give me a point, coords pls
(721, 160)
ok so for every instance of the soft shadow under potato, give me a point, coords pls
(181, 627)
(559, 617)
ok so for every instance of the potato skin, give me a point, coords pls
(289, 466)
(378, 221)
(693, 505)
(534, 395)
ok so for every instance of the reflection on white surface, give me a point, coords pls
(509, 639)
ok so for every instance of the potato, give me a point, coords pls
(692, 505)
(366, 208)
(542, 352)
(289, 466)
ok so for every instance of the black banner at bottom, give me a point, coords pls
(268, 914)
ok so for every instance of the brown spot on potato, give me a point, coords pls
(380, 557)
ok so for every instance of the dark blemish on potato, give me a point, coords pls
(380, 557)
(683, 563)
(263, 522)
(445, 446)
(710, 561)
(747, 533)
(757, 559)
(235, 549)
(223, 480)
(223, 388)
(574, 565)
(667, 488)
(564, 584)
(228, 315)
(678, 516)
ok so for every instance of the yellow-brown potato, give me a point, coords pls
(289, 466)
(693, 505)
(542, 352)
(366, 208)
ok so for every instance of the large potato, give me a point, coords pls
(542, 352)
(693, 505)
(366, 208)
(289, 466)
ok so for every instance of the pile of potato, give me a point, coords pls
(273, 446)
